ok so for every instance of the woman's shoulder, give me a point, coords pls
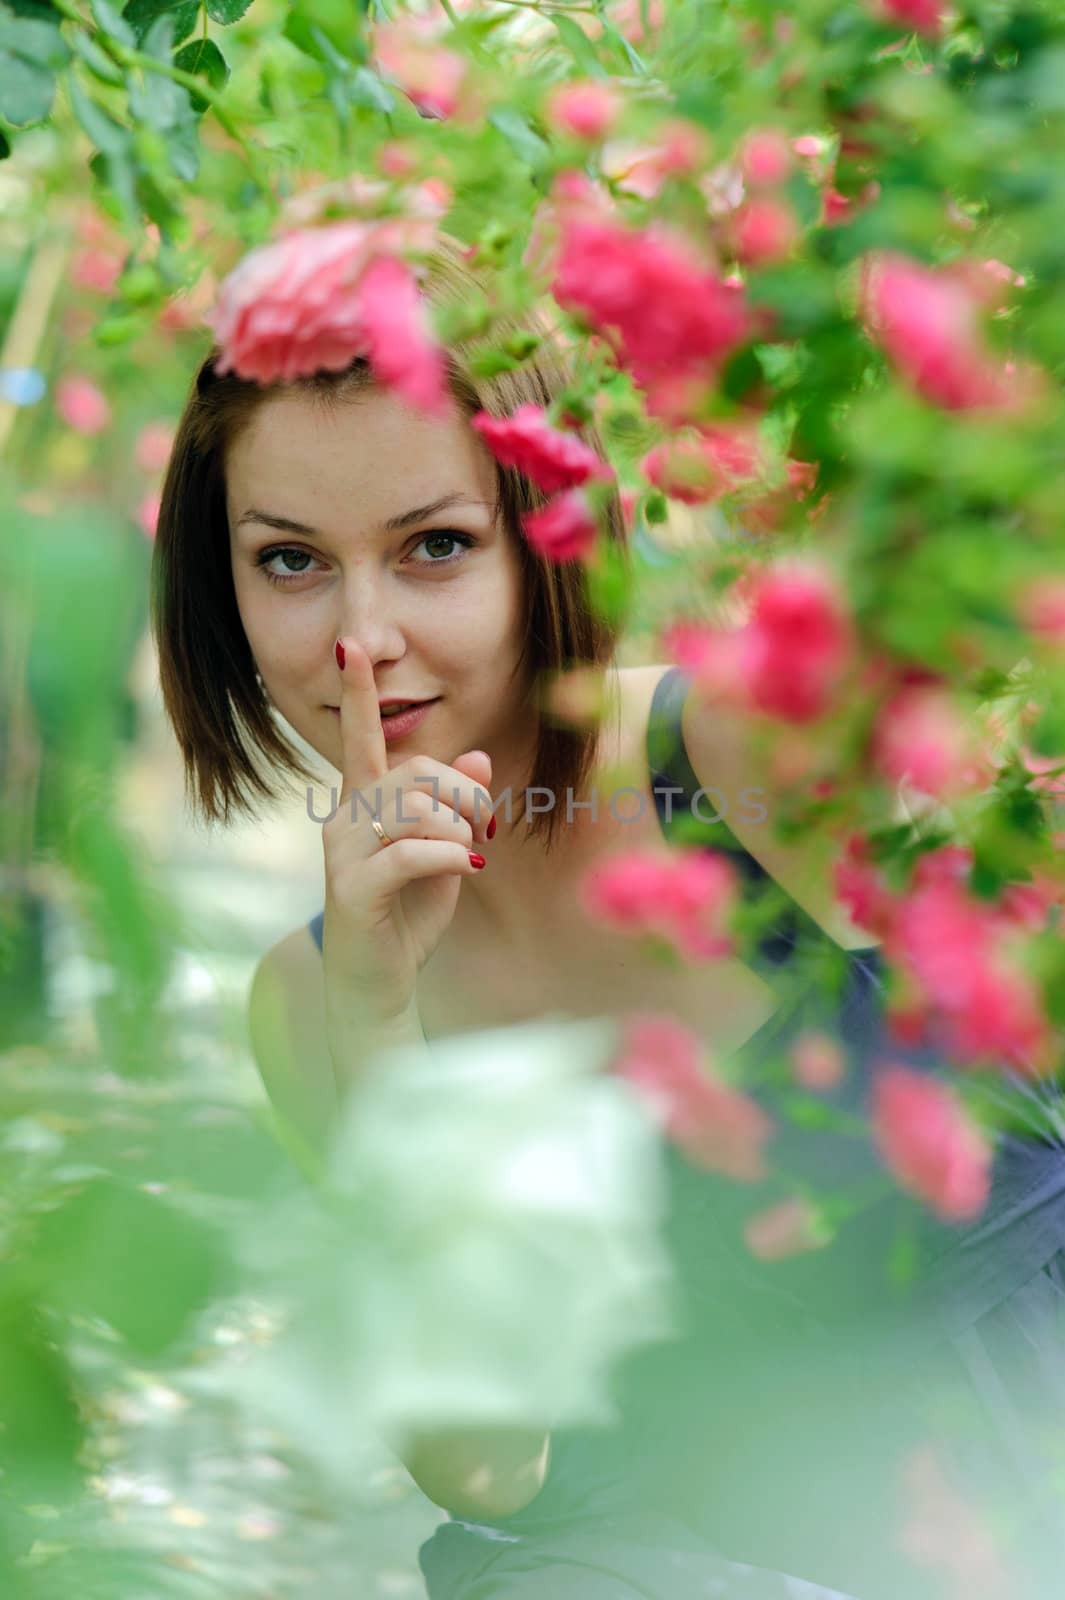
(636, 693)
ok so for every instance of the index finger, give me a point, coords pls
(363, 757)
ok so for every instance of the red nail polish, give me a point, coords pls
(340, 655)
(475, 859)
(490, 831)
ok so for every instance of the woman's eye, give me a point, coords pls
(433, 541)
(286, 553)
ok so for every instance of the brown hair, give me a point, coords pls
(210, 688)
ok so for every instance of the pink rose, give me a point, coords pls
(860, 887)
(765, 158)
(956, 952)
(648, 292)
(624, 892)
(817, 1061)
(148, 514)
(704, 468)
(399, 342)
(717, 1126)
(82, 405)
(926, 321)
(299, 306)
(798, 642)
(686, 897)
(1041, 608)
(789, 1229)
(921, 736)
(924, 16)
(563, 530)
(433, 78)
(696, 904)
(97, 270)
(764, 229)
(1049, 772)
(551, 459)
(929, 1143)
(587, 110)
(154, 444)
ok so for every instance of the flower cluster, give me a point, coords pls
(684, 896)
(789, 659)
(959, 959)
(716, 1125)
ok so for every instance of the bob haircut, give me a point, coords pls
(210, 688)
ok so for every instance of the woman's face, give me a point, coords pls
(436, 602)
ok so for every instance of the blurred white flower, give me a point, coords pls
(485, 1249)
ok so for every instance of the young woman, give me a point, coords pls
(325, 552)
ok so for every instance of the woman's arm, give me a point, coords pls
(479, 1472)
(473, 1472)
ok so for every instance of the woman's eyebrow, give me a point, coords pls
(394, 524)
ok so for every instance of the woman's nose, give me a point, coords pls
(367, 617)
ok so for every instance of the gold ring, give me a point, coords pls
(380, 832)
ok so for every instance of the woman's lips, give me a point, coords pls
(402, 723)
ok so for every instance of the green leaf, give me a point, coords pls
(807, 1112)
(107, 135)
(336, 91)
(98, 62)
(618, 39)
(158, 102)
(203, 58)
(140, 285)
(903, 1258)
(26, 91)
(336, 19)
(42, 1430)
(579, 46)
(609, 579)
(300, 31)
(655, 508)
(37, 10)
(143, 1266)
(158, 42)
(117, 174)
(113, 23)
(366, 89)
(141, 14)
(118, 330)
(32, 37)
(801, 298)
(520, 136)
(31, 53)
(1047, 737)
(227, 11)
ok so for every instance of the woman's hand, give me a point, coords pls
(388, 906)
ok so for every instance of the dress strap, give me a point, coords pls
(315, 926)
